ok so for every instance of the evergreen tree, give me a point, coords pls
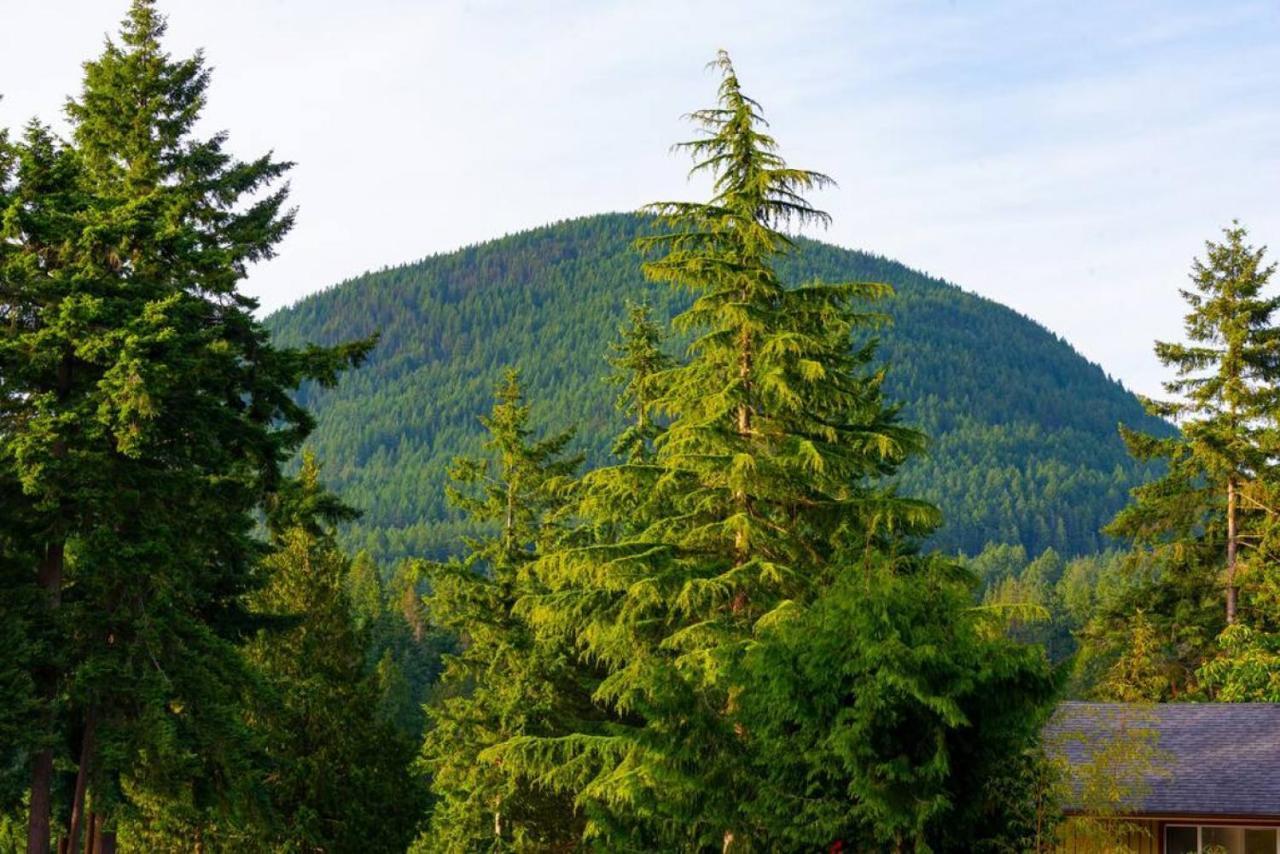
(640, 367)
(20, 724)
(1245, 667)
(1189, 527)
(406, 651)
(1226, 394)
(42, 402)
(763, 485)
(505, 680)
(339, 776)
(364, 589)
(146, 416)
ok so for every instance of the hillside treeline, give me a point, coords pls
(723, 615)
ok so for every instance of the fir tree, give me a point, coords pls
(1226, 395)
(1189, 527)
(640, 367)
(44, 405)
(146, 415)
(506, 680)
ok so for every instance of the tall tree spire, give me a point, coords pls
(765, 475)
(1224, 399)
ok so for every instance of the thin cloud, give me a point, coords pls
(1066, 159)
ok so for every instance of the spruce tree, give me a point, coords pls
(768, 470)
(146, 416)
(505, 680)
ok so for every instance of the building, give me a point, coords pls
(1171, 778)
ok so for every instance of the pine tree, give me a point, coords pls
(505, 680)
(766, 472)
(146, 416)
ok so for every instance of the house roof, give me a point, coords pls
(1191, 759)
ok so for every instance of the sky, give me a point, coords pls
(1068, 159)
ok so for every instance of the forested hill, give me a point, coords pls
(1025, 448)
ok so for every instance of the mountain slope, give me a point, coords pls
(1025, 446)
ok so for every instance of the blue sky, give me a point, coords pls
(1067, 159)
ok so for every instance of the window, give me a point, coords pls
(1220, 839)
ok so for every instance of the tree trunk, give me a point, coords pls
(41, 791)
(49, 577)
(744, 374)
(93, 834)
(82, 782)
(1232, 536)
(106, 842)
(744, 426)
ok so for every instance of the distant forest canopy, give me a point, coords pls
(1024, 450)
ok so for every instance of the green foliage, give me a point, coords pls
(332, 755)
(505, 681)
(1024, 448)
(641, 371)
(1117, 758)
(1245, 666)
(19, 650)
(887, 714)
(323, 751)
(763, 506)
(1048, 601)
(146, 416)
(1199, 529)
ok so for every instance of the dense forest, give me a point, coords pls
(671, 531)
(1024, 442)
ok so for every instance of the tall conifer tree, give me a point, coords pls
(766, 473)
(146, 415)
(1195, 537)
(1225, 396)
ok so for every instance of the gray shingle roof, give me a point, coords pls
(1183, 758)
